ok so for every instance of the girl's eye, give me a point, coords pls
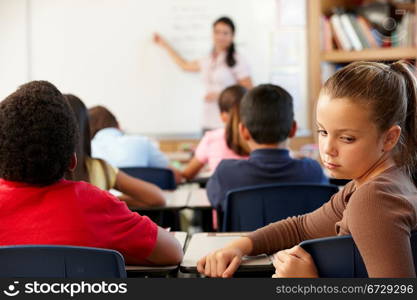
(347, 139)
(322, 132)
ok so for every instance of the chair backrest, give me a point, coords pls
(339, 182)
(253, 207)
(338, 256)
(164, 178)
(60, 262)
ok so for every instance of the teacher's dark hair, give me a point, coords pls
(230, 57)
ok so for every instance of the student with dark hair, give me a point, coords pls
(221, 68)
(222, 143)
(119, 149)
(98, 172)
(266, 114)
(101, 118)
(38, 136)
(367, 126)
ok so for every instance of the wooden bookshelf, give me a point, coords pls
(378, 54)
(317, 8)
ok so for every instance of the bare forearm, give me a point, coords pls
(246, 82)
(175, 56)
(141, 193)
(150, 194)
(192, 66)
(192, 169)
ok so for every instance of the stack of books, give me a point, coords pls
(353, 32)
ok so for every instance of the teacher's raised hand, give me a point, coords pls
(159, 40)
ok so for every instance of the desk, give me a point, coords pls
(156, 271)
(184, 197)
(201, 181)
(180, 156)
(176, 199)
(173, 200)
(167, 215)
(198, 199)
(203, 243)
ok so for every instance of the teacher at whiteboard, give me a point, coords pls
(221, 68)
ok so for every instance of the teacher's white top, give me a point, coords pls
(217, 75)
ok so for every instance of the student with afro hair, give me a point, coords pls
(38, 137)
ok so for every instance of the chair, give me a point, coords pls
(338, 256)
(250, 208)
(339, 182)
(201, 181)
(60, 262)
(164, 178)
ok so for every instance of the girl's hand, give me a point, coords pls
(294, 262)
(221, 263)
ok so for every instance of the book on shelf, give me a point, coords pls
(352, 35)
(339, 33)
(359, 31)
(349, 31)
(367, 32)
(327, 36)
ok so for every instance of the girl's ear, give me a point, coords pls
(391, 138)
(73, 163)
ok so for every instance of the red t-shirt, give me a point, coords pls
(73, 213)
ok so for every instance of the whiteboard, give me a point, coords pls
(102, 51)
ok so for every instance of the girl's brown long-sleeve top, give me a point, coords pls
(379, 215)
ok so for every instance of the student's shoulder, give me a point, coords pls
(308, 163)
(135, 138)
(214, 134)
(228, 173)
(209, 139)
(88, 193)
(392, 182)
(227, 165)
(390, 192)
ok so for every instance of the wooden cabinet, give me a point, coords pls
(318, 8)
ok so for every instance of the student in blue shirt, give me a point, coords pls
(267, 122)
(119, 149)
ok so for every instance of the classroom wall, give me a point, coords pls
(102, 51)
(13, 45)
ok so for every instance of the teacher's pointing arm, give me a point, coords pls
(246, 82)
(191, 66)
